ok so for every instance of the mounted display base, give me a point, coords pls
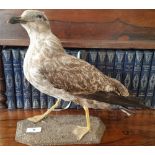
(58, 130)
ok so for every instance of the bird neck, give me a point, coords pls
(37, 37)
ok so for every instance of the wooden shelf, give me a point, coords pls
(138, 129)
(72, 43)
(89, 28)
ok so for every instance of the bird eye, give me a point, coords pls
(39, 16)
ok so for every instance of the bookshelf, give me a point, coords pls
(122, 29)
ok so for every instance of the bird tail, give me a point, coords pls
(117, 100)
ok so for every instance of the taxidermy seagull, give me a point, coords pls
(49, 69)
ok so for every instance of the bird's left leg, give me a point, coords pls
(80, 131)
(38, 118)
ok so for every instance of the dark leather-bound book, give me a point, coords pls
(150, 95)
(147, 60)
(137, 71)
(110, 62)
(129, 61)
(18, 77)
(27, 90)
(119, 65)
(9, 77)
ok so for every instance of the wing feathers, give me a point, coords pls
(114, 99)
(120, 88)
(80, 78)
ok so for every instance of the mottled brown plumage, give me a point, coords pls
(48, 68)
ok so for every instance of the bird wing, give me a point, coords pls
(83, 80)
(78, 77)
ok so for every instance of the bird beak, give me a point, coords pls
(15, 20)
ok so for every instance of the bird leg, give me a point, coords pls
(80, 131)
(38, 118)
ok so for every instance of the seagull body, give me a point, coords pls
(49, 69)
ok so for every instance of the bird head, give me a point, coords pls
(32, 21)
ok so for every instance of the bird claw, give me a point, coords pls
(80, 132)
(35, 119)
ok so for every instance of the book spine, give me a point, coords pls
(50, 101)
(119, 65)
(76, 53)
(137, 72)
(73, 105)
(110, 62)
(145, 73)
(92, 57)
(101, 60)
(84, 55)
(43, 100)
(65, 105)
(18, 77)
(149, 99)
(9, 78)
(26, 85)
(35, 98)
(128, 68)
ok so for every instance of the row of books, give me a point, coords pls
(134, 68)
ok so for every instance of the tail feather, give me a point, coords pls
(114, 99)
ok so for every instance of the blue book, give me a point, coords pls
(27, 94)
(128, 68)
(101, 60)
(66, 105)
(137, 72)
(74, 52)
(18, 77)
(92, 57)
(35, 98)
(119, 65)
(43, 100)
(9, 78)
(50, 101)
(27, 100)
(110, 62)
(84, 55)
(149, 100)
(145, 73)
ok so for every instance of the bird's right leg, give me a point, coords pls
(81, 131)
(38, 118)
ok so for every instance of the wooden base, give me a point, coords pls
(138, 129)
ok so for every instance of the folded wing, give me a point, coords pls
(83, 80)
